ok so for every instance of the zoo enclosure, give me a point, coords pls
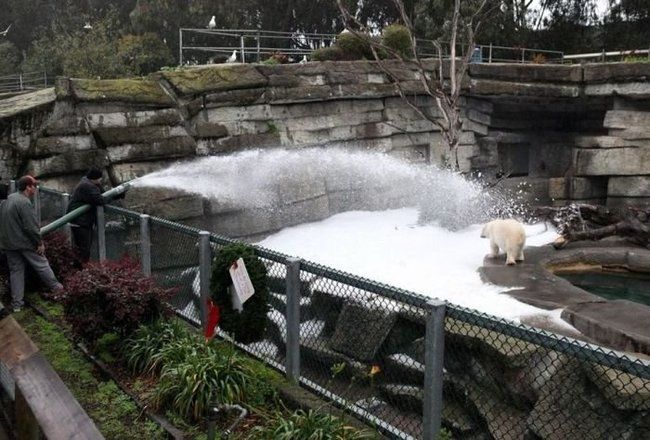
(497, 379)
(254, 45)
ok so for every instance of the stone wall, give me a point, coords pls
(560, 133)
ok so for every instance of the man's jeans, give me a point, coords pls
(16, 262)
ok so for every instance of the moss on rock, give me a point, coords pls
(221, 77)
(143, 91)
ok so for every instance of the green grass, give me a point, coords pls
(114, 413)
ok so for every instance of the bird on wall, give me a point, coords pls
(304, 59)
(232, 58)
(4, 33)
(213, 23)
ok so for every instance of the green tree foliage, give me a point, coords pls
(9, 59)
(396, 37)
(142, 54)
(49, 33)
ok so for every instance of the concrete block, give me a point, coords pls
(612, 162)
(633, 186)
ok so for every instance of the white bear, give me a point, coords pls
(507, 235)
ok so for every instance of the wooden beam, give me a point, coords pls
(15, 345)
(58, 413)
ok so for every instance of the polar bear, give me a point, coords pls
(507, 235)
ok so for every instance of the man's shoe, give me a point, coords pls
(17, 309)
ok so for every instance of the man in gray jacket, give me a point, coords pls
(20, 239)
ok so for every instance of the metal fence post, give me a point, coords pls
(65, 201)
(145, 244)
(490, 55)
(205, 268)
(258, 47)
(293, 320)
(101, 233)
(523, 56)
(433, 369)
(37, 205)
(180, 47)
(20, 81)
(12, 186)
(241, 43)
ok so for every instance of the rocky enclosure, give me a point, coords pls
(560, 132)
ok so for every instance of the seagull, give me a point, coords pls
(213, 23)
(232, 58)
(88, 26)
(304, 59)
(4, 33)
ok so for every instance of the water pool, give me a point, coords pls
(613, 285)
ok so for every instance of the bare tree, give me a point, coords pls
(441, 85)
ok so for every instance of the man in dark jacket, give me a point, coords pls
(87, 192)
(20, 239)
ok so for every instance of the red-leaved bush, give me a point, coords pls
(63, 259)
(111, 297)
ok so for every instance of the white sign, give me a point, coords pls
(241, 281)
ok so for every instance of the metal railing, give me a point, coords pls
(604, 55)
(23, 81)
(440, 364)
(252, 45)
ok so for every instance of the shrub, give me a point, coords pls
(353, 47)
(277, 58)
(249, 325)
(308, 425)
(636, 59)
(143, 347)
(332, 53)
(63, 259)
(538, 58)
(396, 37)
(190, 385)
(111, 297)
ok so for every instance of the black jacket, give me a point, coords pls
(86, 193)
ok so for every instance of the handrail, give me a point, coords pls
(23, 81)
(303, 43)
(580, 56)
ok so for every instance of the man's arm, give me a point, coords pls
(29, 224)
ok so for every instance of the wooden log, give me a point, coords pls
(593, 222)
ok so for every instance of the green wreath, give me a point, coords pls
(249, 325)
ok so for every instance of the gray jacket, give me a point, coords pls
(19, 228)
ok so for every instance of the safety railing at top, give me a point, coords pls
(23, 81)
(403, 362)
(201, 46)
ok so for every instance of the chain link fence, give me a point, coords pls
(381, 352)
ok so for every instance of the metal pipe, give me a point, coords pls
(37, 205)
(293, 320)
(145, 244)
(101, 233)
(108, 195)
(433, 369)
(213, 416)
(205, 269)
